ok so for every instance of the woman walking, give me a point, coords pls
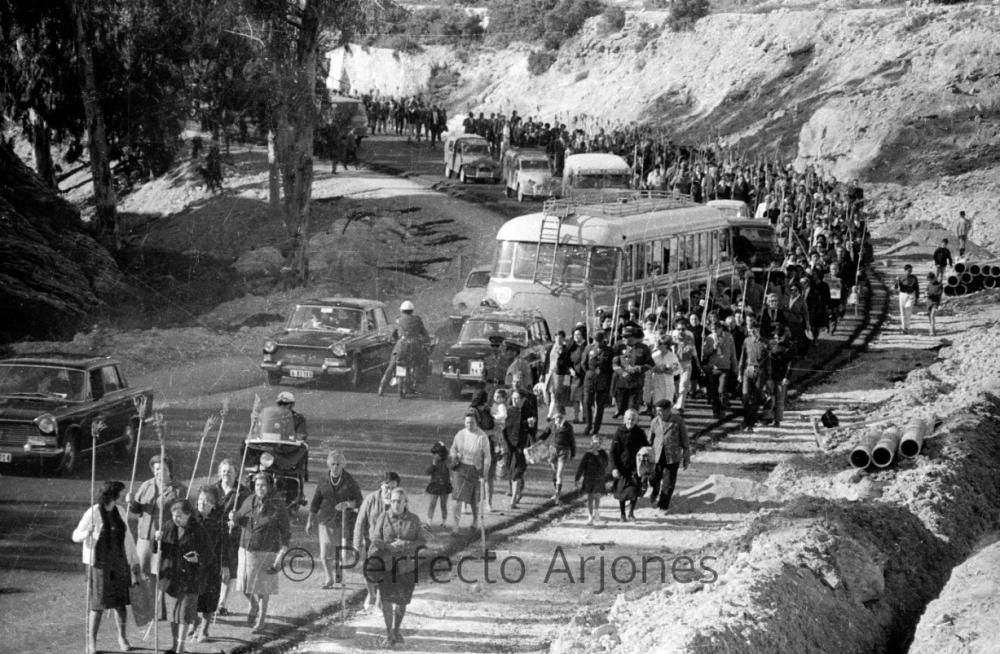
(146, 504)
(397, 537)
(231, 498)
(334, 503)
(263, 543)
(109, 550)
(186, 561)
(626, 444)
(216, 574)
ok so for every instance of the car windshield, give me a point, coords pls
(29, 380)
(478, 279)
(600, 180)
(325, 319)
(534, 164)
(477, 149)
(482, 330)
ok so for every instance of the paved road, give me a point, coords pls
(41, 579)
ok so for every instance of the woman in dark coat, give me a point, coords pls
(217, 575)
(186, 559)
(231, 497)
(396, 538)
(110, 551)
(626, 444)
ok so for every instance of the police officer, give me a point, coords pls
(630, 368)
(410, 335)
(598, 370)
(286, 402)
(755, 371)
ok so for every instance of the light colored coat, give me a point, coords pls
(89, 529)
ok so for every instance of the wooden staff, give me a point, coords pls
(140, 403)
(96, 428)
(254, 415)
(160, 425)
(209, 423)
(215, 448)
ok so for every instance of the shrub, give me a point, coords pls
(548, 21)
(540, 61)
(685, 13)
(614, 19)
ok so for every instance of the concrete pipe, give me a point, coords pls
(951, 280)
(961, 289)
(974, 269)
(990, 282)
(885, 448)
(861, 454)
(966, 278)
(995, 271)
(912, 441)
(959, 268)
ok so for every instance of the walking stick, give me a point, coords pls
(209, 423)
(482, 516)
(254, 413)
(96, 428)
(215, 448)
(140, 407)
(160, 424)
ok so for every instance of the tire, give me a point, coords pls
(355, 377)
(126, 446)
(274, 378)
(520, 194)
(69, 461)
(461, 176)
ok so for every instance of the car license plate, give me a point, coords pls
(475, 367)
(305, 374)
(5, 457)
(401, 371)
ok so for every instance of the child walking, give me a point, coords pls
(439, 487)
(592, 472)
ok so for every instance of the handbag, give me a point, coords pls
(140, 596)
(540, 451)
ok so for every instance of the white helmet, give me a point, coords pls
(284, 397)
(406, 306)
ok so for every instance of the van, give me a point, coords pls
(467, 156)
(527, 173)
(585, 174)
(736, 209)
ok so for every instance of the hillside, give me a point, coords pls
(892, 95)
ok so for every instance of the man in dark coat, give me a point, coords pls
(668, 438)
(598, 370)
(630, 369)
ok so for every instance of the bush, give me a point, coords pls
(685, 13)
(614, 19)
(549, 21)
(540, 61)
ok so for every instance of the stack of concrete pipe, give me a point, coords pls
(970, 277)
(879, 447)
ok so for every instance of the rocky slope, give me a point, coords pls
(892, 95)
(52, 273)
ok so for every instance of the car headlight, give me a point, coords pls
(46, 423)
(270, 346)
(266, 460)
(338, 350)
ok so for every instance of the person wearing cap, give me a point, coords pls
(286, 402)
(630, 368)
(755, 371)
(374, 504)
(470, 457)
(334, 501)
(411, 338)
(908, 287)
(145, 503)
(563, 443)
(781, 346)
(597, 372)
(668, 438)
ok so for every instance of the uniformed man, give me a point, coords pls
(630, 368)
(754, 372)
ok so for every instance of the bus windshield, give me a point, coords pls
(517, 260)
(600, 180)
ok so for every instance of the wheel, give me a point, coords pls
(70, 458)
(520, 194)
(461, 176)
(355, 375)
(126, 446)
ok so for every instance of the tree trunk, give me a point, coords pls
(305, 130)
(43, 152)
(273, 173)
(106, 219)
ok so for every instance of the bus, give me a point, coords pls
(593, 174)
(571, 258)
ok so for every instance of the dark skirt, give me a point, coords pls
(466, 483)
(591, 486)
(438, 488)
(209, 600)
(627, 488)
(109, 585)
(516, 464)
(398, 588)
(182, 609)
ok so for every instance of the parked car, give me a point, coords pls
(468, 157)
(527, 173)
(489, 342)
(49, 402)
(330, 338)
(465, 301)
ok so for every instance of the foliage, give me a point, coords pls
(685, 13)
(549, 21)
(540, 61)
(406, 30)
(614, 18)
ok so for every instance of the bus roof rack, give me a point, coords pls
(623, 203)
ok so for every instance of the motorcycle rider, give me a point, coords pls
(411, 343)
(286, 402)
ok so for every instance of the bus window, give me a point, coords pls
(603, 266)
(724, 250)
(713, 245)
(701, 257)
(571, 264)
(665, 253)
(524, 260)
(627, 263)
(640, 260)
(505, 260)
